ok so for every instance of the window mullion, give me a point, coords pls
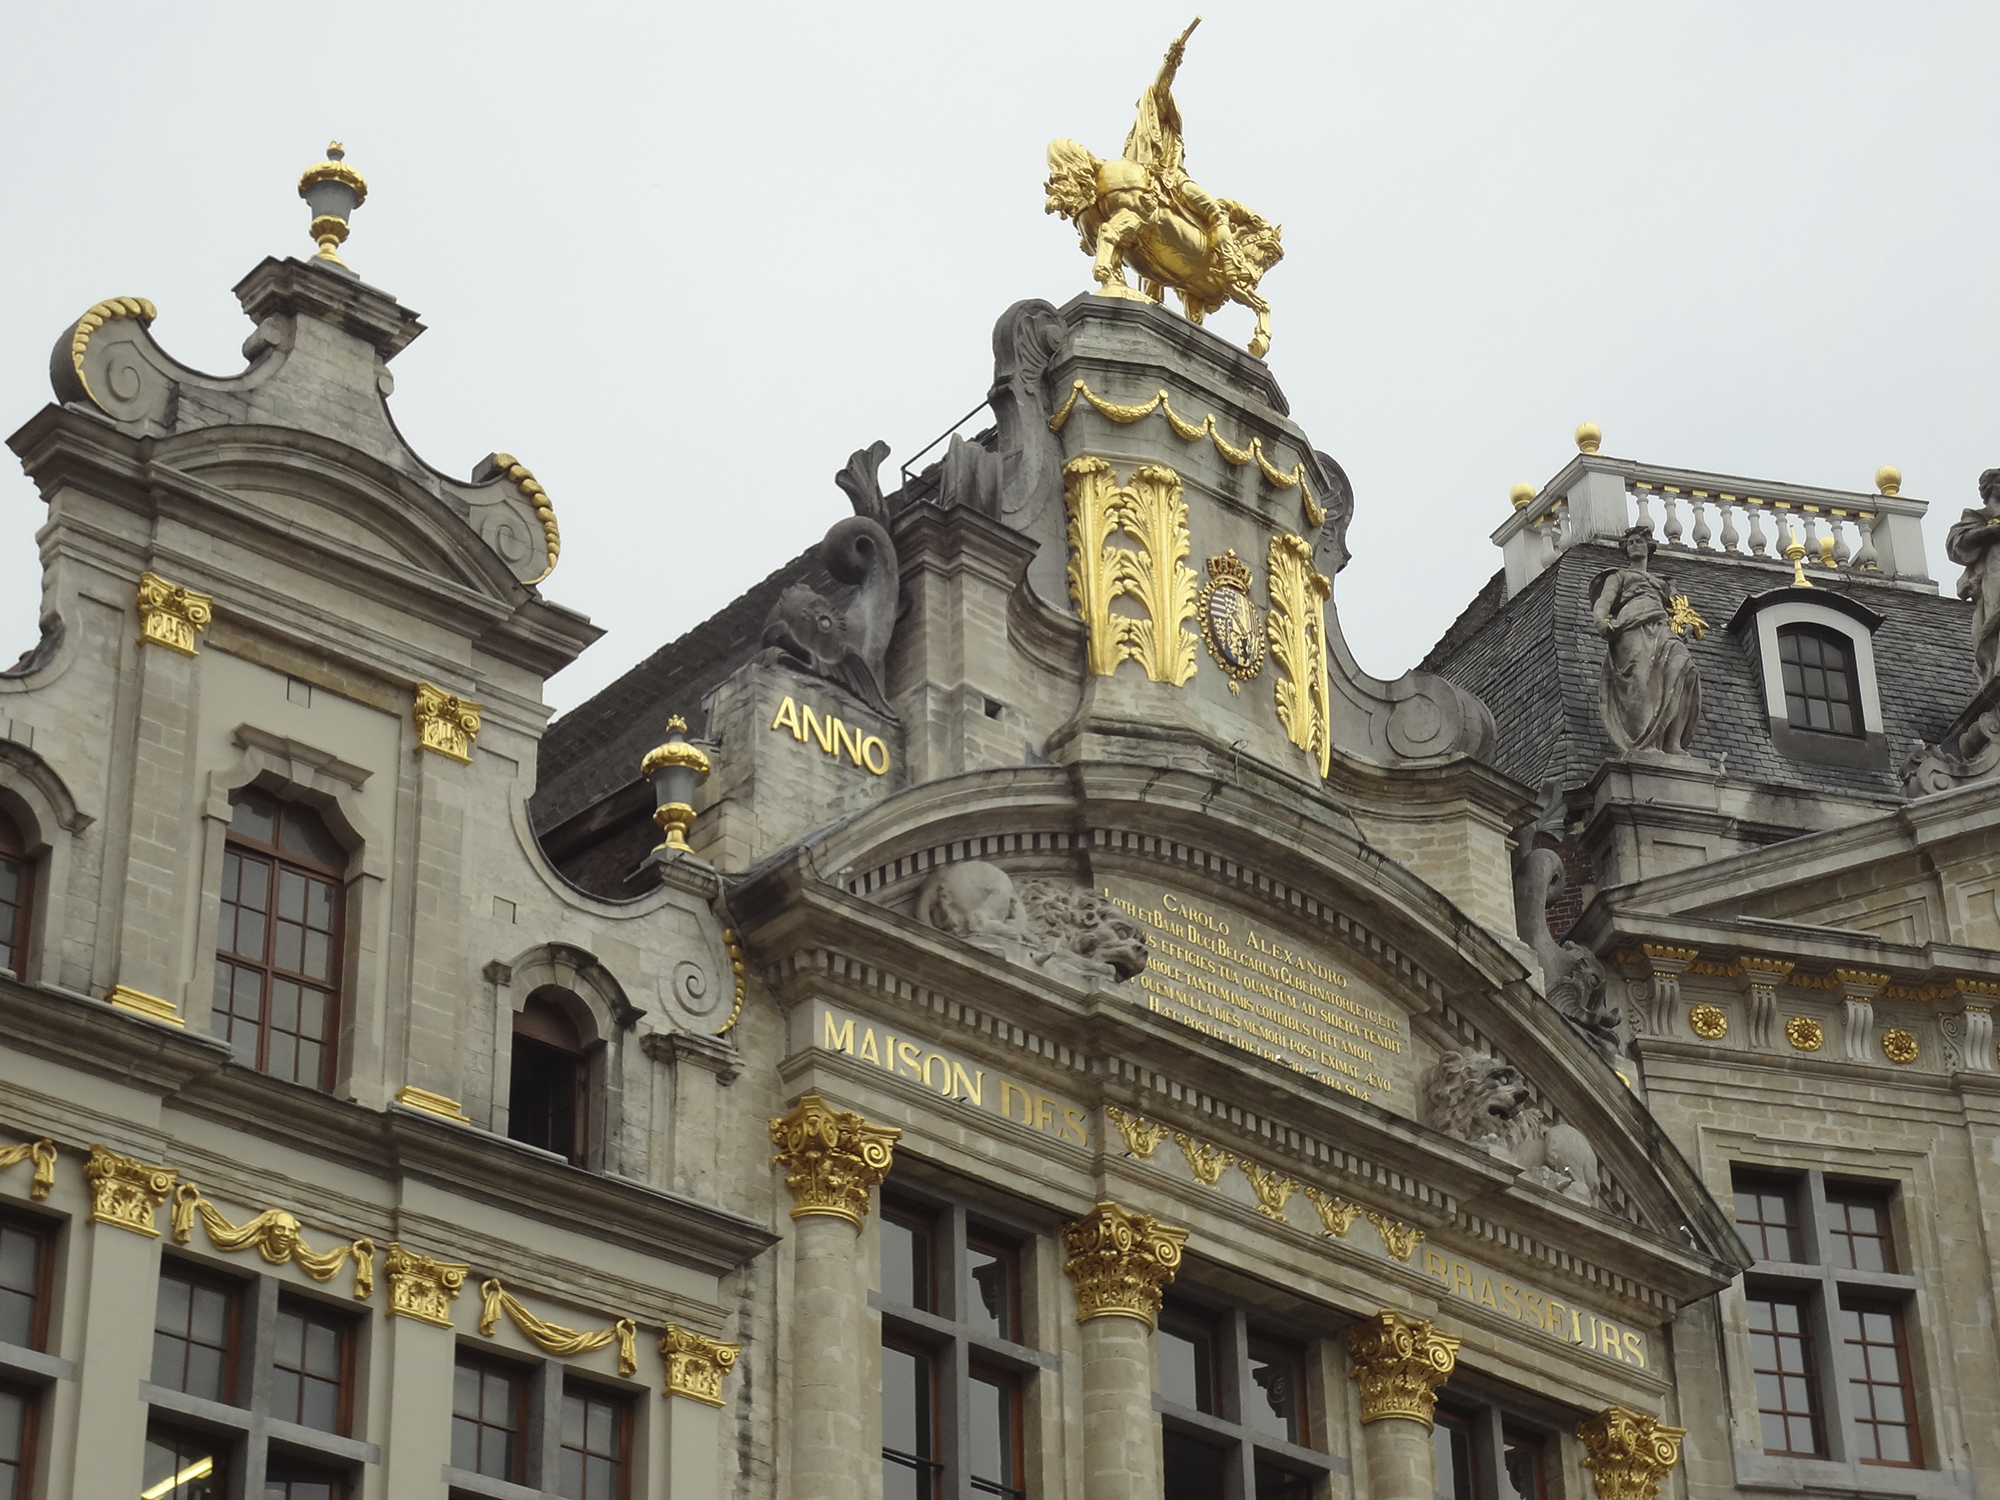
(1837, 1401)
(955, 1364)
(1235, 1373)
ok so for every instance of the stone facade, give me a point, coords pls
(1115, 1070)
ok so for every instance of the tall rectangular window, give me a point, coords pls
(489, 1419)
(1877, 1364)
(19, 1411)
(995, 1463)
(596, 1441)
(1787, 1370)
(277, 940)
(1858, 1221)
(194, 1335)
(1231, 1399)
(1818, 668)
(183, 1466)
(910, 1466)
(24, 1278)
(1186, 1344)
(16, 887)
(310, 1361)
(1767, 1217)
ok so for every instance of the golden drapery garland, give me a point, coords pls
(1192, 431)
(275, 1235)
(43, 1154)
(556, 1339)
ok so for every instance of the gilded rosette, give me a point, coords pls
(1710, 1022)
(1399, 1365)
(696, 1365)
(126, 1192)
(1628, 1454)
(832, 1158)
(1121, 1263)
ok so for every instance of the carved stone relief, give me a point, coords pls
(1485, 1102)
(1573, 980)
(1068, 931)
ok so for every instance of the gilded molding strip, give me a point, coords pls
(1152, 511)
(274, 1235)
(1121, 1263)
(43, 1154)
(696, 1365)
(446, 723)
(432, 1104)
(1296, 625)
(1208, 1162)
(108, 311)
(139, 1003)
(1193, 432)
(1399, 1239)
(1628, 1454)
(734, 944)
(171, 615)
(1335, 1212)
(1142, 1138)
(126, 1193)
(423, 1288)
(1398, 1363)
(553, 1337)
(545, 510)
(832, 1158)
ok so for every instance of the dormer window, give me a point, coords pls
(1817, 665)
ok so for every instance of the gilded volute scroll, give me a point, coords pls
(832, 1159)
(1399, 1363)
(1628, 1454)
(1121, 1263)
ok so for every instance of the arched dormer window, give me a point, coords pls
(547, 1102)
(278, 942)
(1821, 690)
(17, 895)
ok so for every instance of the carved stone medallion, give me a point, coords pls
(1230, 623)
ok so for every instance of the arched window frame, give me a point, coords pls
(604, 1018)
(1767, 614)
(297, 772)
(40, 806)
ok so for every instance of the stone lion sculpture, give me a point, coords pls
(1068, 931)
(1484, 1102)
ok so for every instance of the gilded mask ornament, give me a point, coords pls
(1398, 1364)
(1230, 623)
(1120, 1263)
(832, 1158)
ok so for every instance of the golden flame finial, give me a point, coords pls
(333, 190)
(1889, 479)
(1588, 437)
(1521, 494)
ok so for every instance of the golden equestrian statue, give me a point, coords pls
(1144, 209)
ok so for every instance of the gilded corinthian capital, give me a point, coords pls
(1399, 1365)
(1121, 1263)
(1628, 1454)
(831, 1159)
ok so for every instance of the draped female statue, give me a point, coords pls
(1651, 693)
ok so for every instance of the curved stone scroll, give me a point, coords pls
(1068, 931)
(1022, 475)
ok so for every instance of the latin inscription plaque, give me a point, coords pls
(1237, 978)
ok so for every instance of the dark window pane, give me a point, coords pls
(1858, 1224)
(16, 1413)
(307, 1365)
(1767, 1218)
(255, 816)
(907, 1402)
(1274, 1483)
(20, 1283)
(593, 1455)
(993, 1403)
(1524, 1465)
(183, 1466)
(1877, 1364)
(992, 1308)
(906, 1261)
(1272, 1402)
(1451, 1450)
(1187, 1362)
(486, 1416)
(305, 837)
(542, 1096)
(1194, 1468)
(1818, 671)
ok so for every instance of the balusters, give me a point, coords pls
(1757, 542)
(1865, 524)
(1641, 495)
(1840, 552)
(1728, 510)
(1701, 531)
(1673, 526)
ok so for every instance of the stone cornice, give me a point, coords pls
(192, 1074)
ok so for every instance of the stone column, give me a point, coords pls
(1399, 1365)
(1628, 1454)
(832, 1159)
(1120, 1263)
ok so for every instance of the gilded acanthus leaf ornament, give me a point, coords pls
(1154, 575)
(1628, 1454)
(1142, 1137)
(832, 1158)
(421, 1287)
(1143, 210)
(1272, 1187)
(275, 1235)
(43, 1154)
(1297, 629)
(446, 722)
(1398, 1238)
(1208, 1162)
(564, 1343)
(1120, 1263)
(1399, 1363)
(696, 1365)
(125, 1192)
(171, 615)
(1335, 1212)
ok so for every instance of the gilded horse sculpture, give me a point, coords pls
(1144, 210)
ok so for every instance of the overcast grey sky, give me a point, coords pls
(681, 259)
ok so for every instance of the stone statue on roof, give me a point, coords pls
(1650, 693)
(1969, 543)
(1144, 209)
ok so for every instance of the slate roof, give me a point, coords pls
(1535, 660)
